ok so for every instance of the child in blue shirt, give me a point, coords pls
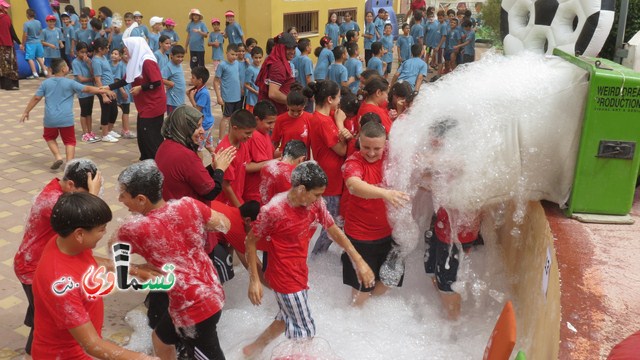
(304, 65)
(337, 71)
(169, 31)
(83, 33)
(412, 71)
(216, 41)
(387, 49)
(58, 109)
(332, 30)
(354, 67)
(244, 64)
(103, 76)
(404, 43)
(83, 73)
(162, 54)
(348, 25)
(32, 44)
(227, 87)
(68, 33)
(116, 35)
(196, 33)
(119, 68)
(251, 74)
(375, 63)
(325, 58)
(432, 35)
(417, 31)
(450, 51)
(173, 78)
(154, 34)
(379, 23)
(200, 99)
(52, 41)
(469, 44)
(233, 30)
(369, 35)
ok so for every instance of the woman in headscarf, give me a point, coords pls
(8, 63)
(276, 76)
(148, 93)
(178, 160)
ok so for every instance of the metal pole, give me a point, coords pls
(621, 53)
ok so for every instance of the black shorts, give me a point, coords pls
(374, 254)
(388, 69)
(230, 107)
(125, 108)
(86, 106)
(223, 261)
(28, 317)
(468, 58)
(197, 59)
(108, 112)
(443, 264)
(157, 303)
(203, 343)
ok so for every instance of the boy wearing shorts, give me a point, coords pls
(79, 175)
(173, 78)
(286, 222)
(200, 99)
(58, 109)
(260, 148)
(365, 222)
(52, 41)
(227, 87)
(32, 44)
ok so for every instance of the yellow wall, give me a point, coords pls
(17, 11)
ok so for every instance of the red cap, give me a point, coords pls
(92, 13)
(50, 17)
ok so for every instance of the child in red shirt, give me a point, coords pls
(260, 148)
(243, 124)
(174, 232)
(366, 224)
(276, 175)
(329, 146)
(69, 322)
(376, 94)
(79, 175)
(292, 125)
(286, 224)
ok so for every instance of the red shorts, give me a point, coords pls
(67, 134)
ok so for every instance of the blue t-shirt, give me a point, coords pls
(58, 103)
(417, 33)
(144, 32)
(75, 19)
(304, 67)
(172, 34)
(470, 48)
(154, 41)
(325, 59)
(229, 74)
(196, 41)
(332, 30)
(379, 24)
(203, 100)
(375, 63)
(80, 68)
(432, 34)
(107, 23)
(338, 73)
(116, 42)
(234, 33)
(84, 35)
(58, 22)
(119, 70)
(102, 68)
(387, 44)
(410, 69)
(218, 52)
(453, 39)
(176, 94)
(137, 32)
(53, 37)
(33, 29)
(69, 33)
(250, 76)
(370, 29)
(354, 68)
(404, 46)
(242, 67)
(346, 26)
(162, 59)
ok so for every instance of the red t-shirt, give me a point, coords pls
(288, 230)
(323, 135)
(365, 219)
(381, 111)
(37, 232)
(175, 234)
(260, 149)
(276, 178)
(443, 229)
(288, 128)
(184, 174)
(236, 172)
(236, 234)
(277, 75)
(56, 314)
(153, 102)
(418, 4)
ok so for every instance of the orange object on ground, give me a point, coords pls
(503, 337)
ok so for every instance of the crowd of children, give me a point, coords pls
(339, 114)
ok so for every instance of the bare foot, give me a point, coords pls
(252, 350)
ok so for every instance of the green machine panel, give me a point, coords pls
(609, 154)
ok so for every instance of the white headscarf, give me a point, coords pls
(127, 31)
(139, 52)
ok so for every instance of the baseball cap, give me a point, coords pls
(92, 13)
(55, 3)
(229, 13)
(155, 20)
(137, 13)
(170, 22)
(194, 11)
(5, 4)
(287, 40)
(215, 20)
(50, 18)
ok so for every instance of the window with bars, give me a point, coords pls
(305, 22)
(341, 13)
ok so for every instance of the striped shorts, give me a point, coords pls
(294, 311)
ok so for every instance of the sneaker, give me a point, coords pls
(46, 73)
(109, 138)
(129, 135)
(114, 134)
(32, 77)
(95, 137)
(86, 137)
